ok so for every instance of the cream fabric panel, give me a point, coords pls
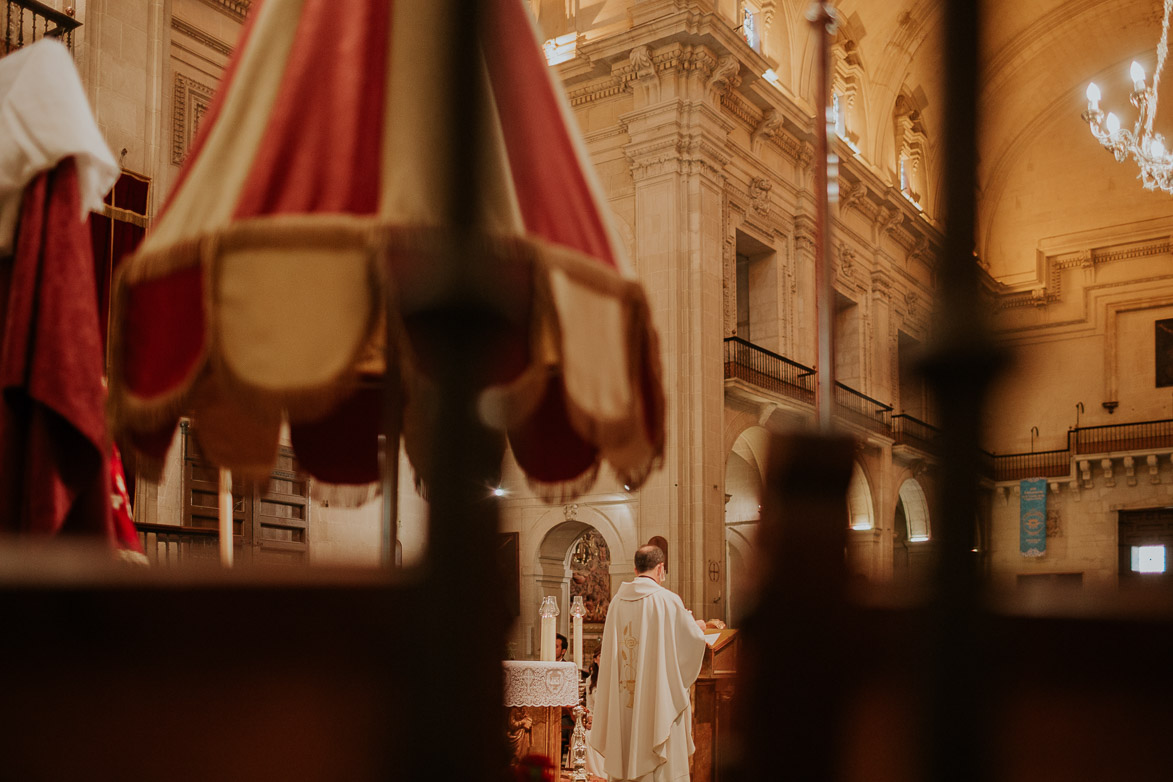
(415, 175)
(594, 348)
(288, 321)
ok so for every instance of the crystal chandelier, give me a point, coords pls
(1140, 143)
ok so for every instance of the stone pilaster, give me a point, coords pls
(677, 153)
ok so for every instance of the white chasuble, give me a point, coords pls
(651, 654)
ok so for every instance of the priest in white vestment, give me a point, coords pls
(651, 654)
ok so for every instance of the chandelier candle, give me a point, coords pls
(1141, 143)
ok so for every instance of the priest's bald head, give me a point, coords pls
(649, 561)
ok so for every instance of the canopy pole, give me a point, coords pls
(225, 517)
(389, 514)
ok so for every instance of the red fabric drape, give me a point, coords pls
(54, 473)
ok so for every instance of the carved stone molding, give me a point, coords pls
(881, 286)
(766, 128)
(912, 303)
(804, 235)
(198, 35)
(759, 195)
(846, 265)
(234, 8)
(678, 154)
(729, 283)
(851, 195)
(645, 73)
(886, 221)
(725, 76)
(189, 102)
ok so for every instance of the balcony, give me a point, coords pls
(1141, 436)
(169, 545)
(28, 21)
(860, 409)
(762, 368)
(1044, 464)
(914, 433)
(1135, 437)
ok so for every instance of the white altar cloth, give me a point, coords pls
(532, 683)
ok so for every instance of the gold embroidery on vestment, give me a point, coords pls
(627, 656)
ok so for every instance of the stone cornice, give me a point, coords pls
(199, 36)
(234, 8)
(1054, 265)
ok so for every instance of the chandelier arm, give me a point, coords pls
(1162, 53)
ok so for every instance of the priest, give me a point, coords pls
(651, 654)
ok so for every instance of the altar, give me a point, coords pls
(535, 693)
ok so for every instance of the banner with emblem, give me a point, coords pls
(1032, 513)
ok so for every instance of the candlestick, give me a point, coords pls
(548, 612)
(577, 609)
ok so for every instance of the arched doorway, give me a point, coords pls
(861, 514)
(912, 534)
(744, 471)
(586, 553)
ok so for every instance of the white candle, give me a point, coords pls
(548, 638)
(578, 641)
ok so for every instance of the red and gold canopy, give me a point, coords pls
(315, 189)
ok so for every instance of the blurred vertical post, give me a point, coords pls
(958, 368)
(460, 674)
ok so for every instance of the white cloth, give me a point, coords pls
(45, 118)
(534, 683)
(651, 654)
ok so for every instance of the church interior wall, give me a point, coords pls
(678, 162)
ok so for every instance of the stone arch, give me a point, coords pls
(546, 566)
(861, 510)
(916, 510)
(745, 470)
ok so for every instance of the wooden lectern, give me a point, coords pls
(712, 704)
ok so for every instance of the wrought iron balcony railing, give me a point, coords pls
(914, 432)
(1083, 440)
(1044, 464)
(28, 21)
(1121, 437)
(861, 409)
(765, 369)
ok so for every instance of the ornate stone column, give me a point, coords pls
(677, 154)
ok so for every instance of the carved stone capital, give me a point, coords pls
(882, 286)
(804, 235)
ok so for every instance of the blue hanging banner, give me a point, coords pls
(1032, 514)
